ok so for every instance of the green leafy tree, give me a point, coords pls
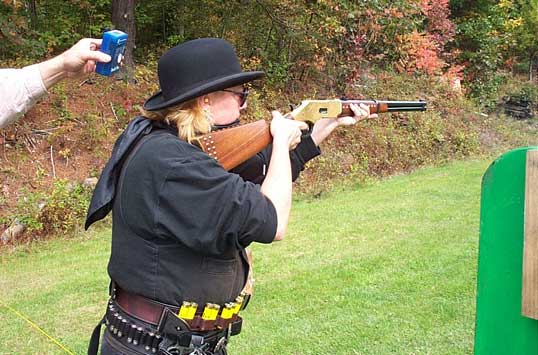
(520, 29)
(478, 36)
(35, 29)
(16, 34)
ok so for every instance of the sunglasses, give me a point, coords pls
(242, 95)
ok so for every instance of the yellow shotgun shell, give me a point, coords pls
(192, 310)
(211, 311)
(228, 310)
(185, 310)
(238, 302)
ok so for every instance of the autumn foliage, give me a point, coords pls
(332, 43)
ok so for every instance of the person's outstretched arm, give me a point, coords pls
(21, 88)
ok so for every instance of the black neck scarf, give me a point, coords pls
(105, 190)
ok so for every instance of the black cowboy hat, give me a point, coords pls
(195, 68)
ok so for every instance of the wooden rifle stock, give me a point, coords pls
(233, 146)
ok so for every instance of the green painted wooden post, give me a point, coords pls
(500, 327)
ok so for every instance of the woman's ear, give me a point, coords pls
(204, 101)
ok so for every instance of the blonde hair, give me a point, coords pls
(189, 117)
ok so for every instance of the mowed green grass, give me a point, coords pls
(389, 268)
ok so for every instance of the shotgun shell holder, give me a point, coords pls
(244, 302)
(192, 310)
(226, 316)
(238, 302)
(209, 316)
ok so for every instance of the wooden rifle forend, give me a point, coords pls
(233, 146)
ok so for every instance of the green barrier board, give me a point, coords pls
(500, 327)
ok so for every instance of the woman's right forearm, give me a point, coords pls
(277, 186)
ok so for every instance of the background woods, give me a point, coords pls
(332, 42)
(474, 61)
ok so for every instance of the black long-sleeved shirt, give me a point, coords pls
(255, 168)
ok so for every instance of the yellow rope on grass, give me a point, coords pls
(22, 316)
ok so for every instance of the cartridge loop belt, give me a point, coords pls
(130, 332)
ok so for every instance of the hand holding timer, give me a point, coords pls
(114, 45)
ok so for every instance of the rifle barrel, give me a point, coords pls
(389, 106)
(400, 109)
(404, 103)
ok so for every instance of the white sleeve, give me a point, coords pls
(19, 90)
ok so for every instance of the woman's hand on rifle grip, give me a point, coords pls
(286, 131)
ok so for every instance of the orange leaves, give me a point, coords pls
(427, 61)
(422, 50)
(14, 4)
(420, 53)
(439, 26)
(393, 12)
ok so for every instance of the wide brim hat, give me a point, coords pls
(195, 68)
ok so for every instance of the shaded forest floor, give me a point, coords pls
(67, 135)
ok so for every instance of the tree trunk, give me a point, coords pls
(32, 9)
(530, 68)
(123, 19)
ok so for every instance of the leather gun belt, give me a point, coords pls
(140, 307)
(151, 311)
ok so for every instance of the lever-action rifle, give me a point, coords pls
(232, 146)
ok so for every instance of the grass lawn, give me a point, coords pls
(389, 268)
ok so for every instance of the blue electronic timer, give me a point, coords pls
(114, 45)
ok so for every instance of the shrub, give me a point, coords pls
(28, 209)
(58, 212)
(65, 208)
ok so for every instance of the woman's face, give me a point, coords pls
(225, 106)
